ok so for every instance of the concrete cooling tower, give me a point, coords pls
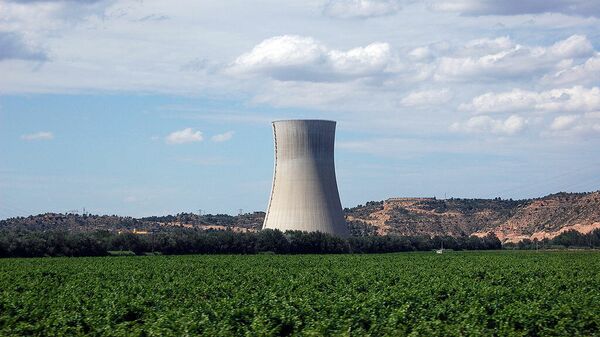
(305, 195)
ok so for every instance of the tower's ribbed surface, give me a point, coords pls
(305, 195)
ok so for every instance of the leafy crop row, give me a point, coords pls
(473, 294)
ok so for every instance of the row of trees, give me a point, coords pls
(23, 243)
(20, 243)
(568, 239)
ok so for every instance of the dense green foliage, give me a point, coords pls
(466, 294)
(20, 243)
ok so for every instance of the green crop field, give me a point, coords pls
(419, 294)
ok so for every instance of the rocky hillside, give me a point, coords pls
(510, 220)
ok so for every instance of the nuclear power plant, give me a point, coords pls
(305, 195)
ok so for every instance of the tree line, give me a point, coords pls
(568, 239)
(24, 243)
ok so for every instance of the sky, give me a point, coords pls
(142, 108)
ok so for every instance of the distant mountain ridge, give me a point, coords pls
(509, 220)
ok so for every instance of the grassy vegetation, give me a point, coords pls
(459, 293)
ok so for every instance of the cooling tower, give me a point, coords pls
(305, 195)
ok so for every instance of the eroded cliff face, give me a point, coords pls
(510, 220)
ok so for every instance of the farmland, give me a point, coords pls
(459, 293)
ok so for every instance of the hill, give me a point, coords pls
(114, 223)
(509, 220)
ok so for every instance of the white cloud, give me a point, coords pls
(563, 122)
(515, 100)
(187, 135)
(587, 124)
(361, 61)
(298, 58)
(587, 72)
(223, 137)
(501, 64)
(349, 9)
(281, 51)
(42, 135)
(486, 124)
(427, 97)
(574, 46)
(502, 58)
(517, 7)
(575, 99)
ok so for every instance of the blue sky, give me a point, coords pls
(148, 108)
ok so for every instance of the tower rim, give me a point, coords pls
(304, 120)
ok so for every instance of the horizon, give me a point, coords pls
(144, 108)
(81, 212)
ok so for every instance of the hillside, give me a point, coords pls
(510, 220)
(114, 223)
